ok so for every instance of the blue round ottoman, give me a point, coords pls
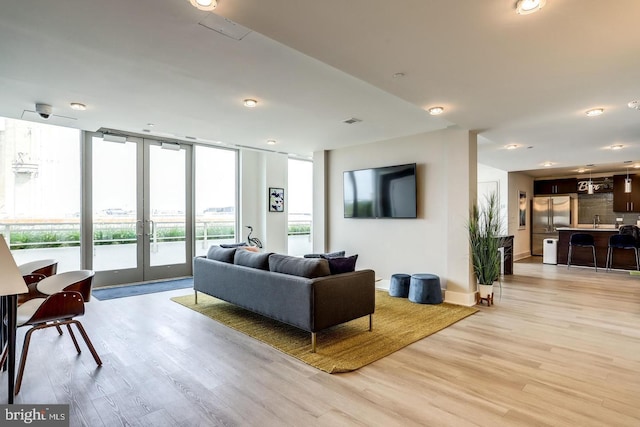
(399, 286)
(425, 289)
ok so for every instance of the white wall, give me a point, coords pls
(259, 171)
(488, 176)
(319, 226)
(436, 242)
(509, 187)
(521, 237)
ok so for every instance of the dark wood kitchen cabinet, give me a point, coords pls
(626, 202)
(555, 186)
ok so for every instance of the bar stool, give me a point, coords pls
(582, 240)
(621, 241)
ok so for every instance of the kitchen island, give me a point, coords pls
(623, 259)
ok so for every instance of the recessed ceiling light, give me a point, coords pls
(434, 111)
(78, 106)
(547, 164)
(207, 5)
(590, 165)
(617, 147)
(634, 104)
(271, 141)
(594, 112)
(511, 146)
(524, 7)
(150, 125)
(398, 75)
(250, 103)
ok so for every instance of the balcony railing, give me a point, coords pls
(66, 233)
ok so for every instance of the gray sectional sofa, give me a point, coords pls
(298, 291)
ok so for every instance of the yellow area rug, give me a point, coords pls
(397, 322)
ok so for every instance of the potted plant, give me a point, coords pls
(485, 239)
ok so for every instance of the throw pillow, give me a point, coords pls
(309, 268)
(327, 255)
(252, 259)
(233, 245)
(221, 254)
(339, 265)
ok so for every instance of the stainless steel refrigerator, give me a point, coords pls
(547, 214)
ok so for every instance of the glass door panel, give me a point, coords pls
(167, 202)
(115, 213)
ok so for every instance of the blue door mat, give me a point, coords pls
(142, 289)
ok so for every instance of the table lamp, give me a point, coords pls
(11, 284)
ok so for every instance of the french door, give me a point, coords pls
(140, 209)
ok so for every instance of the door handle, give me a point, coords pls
(152, 228)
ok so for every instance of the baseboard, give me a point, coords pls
(383, 284)
(460, 298)
(522, 255)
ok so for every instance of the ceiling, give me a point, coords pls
(524, 80)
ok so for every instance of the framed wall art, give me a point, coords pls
(522, 210)
(276, 199)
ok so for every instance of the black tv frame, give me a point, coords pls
(381, 192)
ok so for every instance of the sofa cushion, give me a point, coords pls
(252, 259)
(221, 254)
(309, 268)
(339, 265)
(327, 255)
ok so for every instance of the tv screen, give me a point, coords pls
(387, 192)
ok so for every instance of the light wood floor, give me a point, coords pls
(560, 348)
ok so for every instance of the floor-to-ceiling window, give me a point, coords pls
(215, 185)
(40, 185)
(149, 205)
(300, 199)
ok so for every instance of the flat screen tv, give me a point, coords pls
(386, 192)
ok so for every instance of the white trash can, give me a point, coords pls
(550, 251)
